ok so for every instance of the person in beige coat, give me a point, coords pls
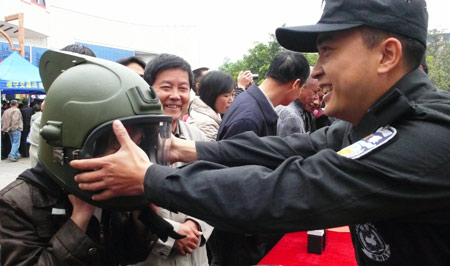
(171, 77)
(216, 93)
(13, 125)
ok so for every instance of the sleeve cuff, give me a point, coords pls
(78, 245)
(154, 181)
(163, 249)
(208, 151)
(203, 227)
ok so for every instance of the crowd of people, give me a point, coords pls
(195, 117)
(359, 139)
(16, 123)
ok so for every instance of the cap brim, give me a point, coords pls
(303, 38)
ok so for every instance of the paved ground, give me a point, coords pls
(9, 170)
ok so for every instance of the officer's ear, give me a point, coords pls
(391, 53)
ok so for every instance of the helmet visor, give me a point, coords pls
(150, 132)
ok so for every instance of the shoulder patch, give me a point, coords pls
(369, 143)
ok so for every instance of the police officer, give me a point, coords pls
(384, 169)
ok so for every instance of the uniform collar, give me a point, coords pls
(395, 103)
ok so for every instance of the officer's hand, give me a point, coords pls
(191, 241)
(119, 174)
(182, 150)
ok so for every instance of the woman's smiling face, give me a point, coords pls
(173, 90)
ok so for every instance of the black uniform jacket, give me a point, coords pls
(36, 229)
(396, 197)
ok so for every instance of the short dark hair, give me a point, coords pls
(36, 107)
(25, 101)
(214, 84)
(413, 50)
(79, 49)
(163, 62)
(131, 59)
(198, 73)
(288, 66)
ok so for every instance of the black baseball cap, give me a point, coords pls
(405, 17)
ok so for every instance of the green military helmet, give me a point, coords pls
(84, 95)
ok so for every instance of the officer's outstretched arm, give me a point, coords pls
(182, 150)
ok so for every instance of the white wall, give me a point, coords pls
(36, 21)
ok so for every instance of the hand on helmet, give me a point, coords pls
(119, 174)
(182, 150)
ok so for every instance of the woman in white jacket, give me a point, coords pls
(216, 93)
(172, 78)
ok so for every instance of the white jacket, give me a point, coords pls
(162, 253)
(204, 118)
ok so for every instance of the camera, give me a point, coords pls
(255, 76)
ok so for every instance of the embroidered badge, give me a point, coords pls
(372, 244)
(369, 143)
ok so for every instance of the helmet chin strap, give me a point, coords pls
(158, 225)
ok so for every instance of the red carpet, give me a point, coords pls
(291, 250)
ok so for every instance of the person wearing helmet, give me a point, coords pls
(34, 130)
(45, 218)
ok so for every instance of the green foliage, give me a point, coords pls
(312, 58)
(438, 59)
(258, 59)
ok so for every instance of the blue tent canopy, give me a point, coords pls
(18, 76)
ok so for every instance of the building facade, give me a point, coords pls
(55, 24)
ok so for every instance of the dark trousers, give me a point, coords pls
(24, 146)
(6, 145)
(231, 249)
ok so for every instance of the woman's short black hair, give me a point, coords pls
(214, 84)
(163, 62)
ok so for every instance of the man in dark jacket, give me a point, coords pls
(27, 112)
(254, 110)
(383, 168)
